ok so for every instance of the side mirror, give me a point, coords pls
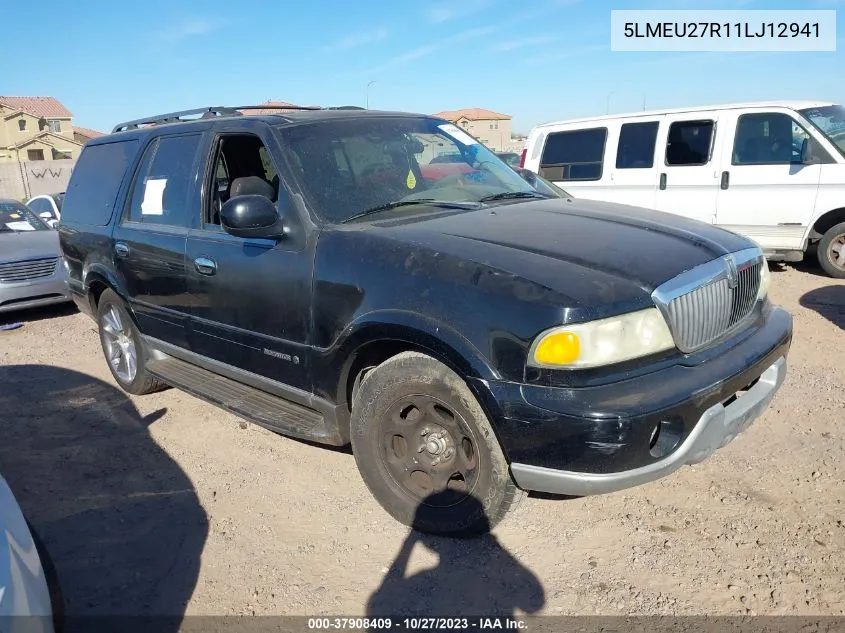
(252, 215)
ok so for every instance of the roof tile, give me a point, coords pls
(37, 106)
(87, 132)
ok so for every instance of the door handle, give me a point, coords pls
(726, 180)
(205, 265)
(121, 249)
(662, 182)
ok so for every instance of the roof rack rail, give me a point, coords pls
(172, 117)
(205, 113)
(346, 108)
(277, 107)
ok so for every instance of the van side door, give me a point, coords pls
(768, 191)
(148, 240)
(688, 155)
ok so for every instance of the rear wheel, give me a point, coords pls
(831, 251)
(123, 348)
(426, 450)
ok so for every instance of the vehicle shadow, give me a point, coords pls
(31, 315)
(828, 301)
(119, 518)
(474, 577)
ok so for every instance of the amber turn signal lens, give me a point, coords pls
(560, 348)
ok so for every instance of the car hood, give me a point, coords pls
(591, 252)
(28, 245)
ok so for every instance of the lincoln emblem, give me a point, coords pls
(732, 273)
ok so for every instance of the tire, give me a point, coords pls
(427, 451)
(57, 602)
(119, 338)
(834, 238)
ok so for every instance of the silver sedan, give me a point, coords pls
(32, 271)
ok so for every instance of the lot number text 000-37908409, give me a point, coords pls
(706, 30)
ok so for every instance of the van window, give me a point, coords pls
(636, 145)
(689, 143)
(770, 138)
(162, 189)
(575, 155)
(95, 182)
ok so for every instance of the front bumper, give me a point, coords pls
(597, 439)
(718, 426)
(35, 293)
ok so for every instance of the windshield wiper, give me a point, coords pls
(512, 195)
(444, 204)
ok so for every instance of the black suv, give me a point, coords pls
(321, 273)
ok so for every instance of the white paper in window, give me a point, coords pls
(20, 226)
(153, 202)
(458, 134)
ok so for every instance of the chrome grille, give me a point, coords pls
(707, 302)
(16, 272)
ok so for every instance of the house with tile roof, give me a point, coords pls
(84, 134)
(36, 129)
(491, 128)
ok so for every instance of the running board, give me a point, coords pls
(249, 403)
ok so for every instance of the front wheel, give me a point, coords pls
(427, 451)
(831, 251)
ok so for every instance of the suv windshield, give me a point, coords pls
(15, 217)
(358, 166)
(830, 121)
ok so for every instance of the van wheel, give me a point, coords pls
(124, 351)
(831, 251)
(426, 450)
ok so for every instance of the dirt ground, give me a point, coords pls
(164, 504)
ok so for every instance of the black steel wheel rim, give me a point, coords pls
(428, 448)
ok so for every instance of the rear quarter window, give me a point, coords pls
(95, 182)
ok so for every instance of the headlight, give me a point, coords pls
(765, 280)
(602, 342)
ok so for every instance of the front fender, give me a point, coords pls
(395, 329)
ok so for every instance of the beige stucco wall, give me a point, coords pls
(11, 134)
(494, 133)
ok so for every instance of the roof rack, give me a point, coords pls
(172, 117)
(205, 113)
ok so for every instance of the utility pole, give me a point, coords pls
(368, 94)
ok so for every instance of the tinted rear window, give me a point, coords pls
(95, 182)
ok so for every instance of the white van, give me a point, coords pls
(774, 172)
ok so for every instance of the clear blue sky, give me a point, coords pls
(537, 60)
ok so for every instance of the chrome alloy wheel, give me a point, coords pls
(120, 346)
